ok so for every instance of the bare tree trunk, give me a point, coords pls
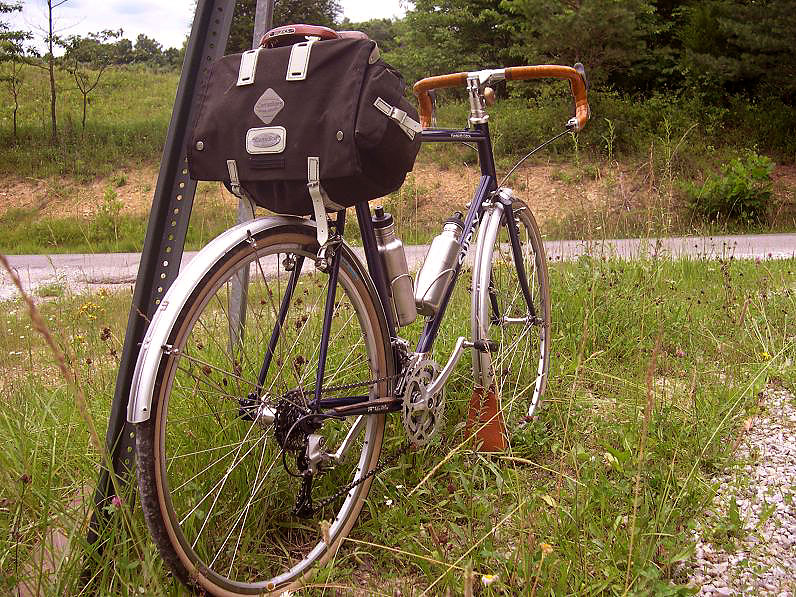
(85, 100)
(51, 68)
(15, 83)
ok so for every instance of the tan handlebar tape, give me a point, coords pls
(514, 73)
(423, 86)
(577, 85)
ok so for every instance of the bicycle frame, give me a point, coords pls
(479, 135)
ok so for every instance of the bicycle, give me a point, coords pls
(245, 444)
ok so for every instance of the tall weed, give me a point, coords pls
(743, 191)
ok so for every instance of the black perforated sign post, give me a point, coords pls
(165, 236)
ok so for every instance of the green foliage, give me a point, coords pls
(86, 59)
(130, 113)
(717, 47)
(454, 35)
(734, 46)
(742, 192)
(382, 31)
(106, 223)
(286, 12)
(609, 37)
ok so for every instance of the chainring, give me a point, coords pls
(422, 414)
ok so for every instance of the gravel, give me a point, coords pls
(751, 549)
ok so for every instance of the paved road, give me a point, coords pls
(118, 270)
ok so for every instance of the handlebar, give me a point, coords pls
(575, 76)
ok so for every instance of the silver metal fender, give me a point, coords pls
(479, 311)
(160, 328)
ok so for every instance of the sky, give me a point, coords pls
(167, 21)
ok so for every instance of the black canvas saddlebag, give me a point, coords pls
(323, 121)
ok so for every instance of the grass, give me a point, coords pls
(655, 365)
(110, 231)
(127, 123)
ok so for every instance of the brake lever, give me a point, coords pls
(582, 72)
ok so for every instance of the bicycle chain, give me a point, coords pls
(351, 386)
(385, 462)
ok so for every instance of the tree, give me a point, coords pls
(86, 59)
(445, 36)
(314, 12)
(51, 41)
(13, 54)
(123, 51)
(609, 37)
(734, 46)
(148, 51)
(173, 57)
(383, 31)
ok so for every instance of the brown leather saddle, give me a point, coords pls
(287, 35)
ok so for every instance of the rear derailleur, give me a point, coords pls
(295, 431)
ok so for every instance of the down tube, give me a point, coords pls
(485, 186)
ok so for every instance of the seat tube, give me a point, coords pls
(375, 267)
(328, 312)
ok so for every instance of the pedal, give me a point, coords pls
(489, 346)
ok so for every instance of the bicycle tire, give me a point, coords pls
(175, 454)
(518, 340)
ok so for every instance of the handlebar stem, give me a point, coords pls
(478, 114)
(488, 76)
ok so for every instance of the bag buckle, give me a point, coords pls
(408, 124)
(320, 201)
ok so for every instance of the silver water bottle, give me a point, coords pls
(433, 278)
(391, 251)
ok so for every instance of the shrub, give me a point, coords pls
(742, 192)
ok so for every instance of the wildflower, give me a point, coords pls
(116, 501)
(546, 548)
(765, 355)
(680, 353)
(488, 579)
(389, 502)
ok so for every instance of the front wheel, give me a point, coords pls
(217, 458)
(512, 371)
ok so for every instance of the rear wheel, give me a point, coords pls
(217, 487)
(518, 333)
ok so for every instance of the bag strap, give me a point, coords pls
(299, 62)
(248, 67)
(408, 125)
(234, 185)
(320, 200)
(234, 179)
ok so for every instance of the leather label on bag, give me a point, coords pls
(268, 106)
(266, 139)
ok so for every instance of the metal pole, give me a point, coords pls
(239, 285)
(163, 244)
